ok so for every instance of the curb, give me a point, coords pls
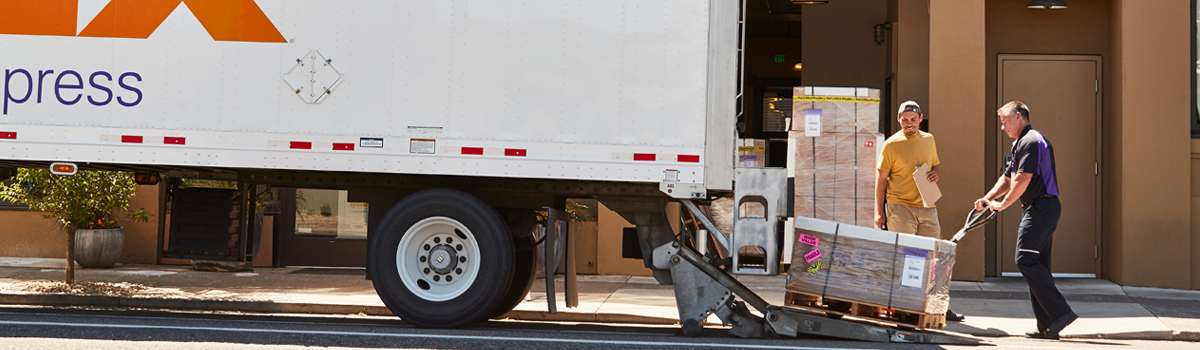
(582, 317)
(1142, 335)
(188, 304)
(1192, 336)
(296, 308)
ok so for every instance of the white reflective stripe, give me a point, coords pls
(1029, 250)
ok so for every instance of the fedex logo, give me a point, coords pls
(20, 85)
(225, 20)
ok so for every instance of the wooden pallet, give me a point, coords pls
(835, 307)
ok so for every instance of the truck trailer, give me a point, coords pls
(463, 124)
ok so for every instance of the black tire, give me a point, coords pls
(524, 274)
(441, 304)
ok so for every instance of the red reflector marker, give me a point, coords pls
(301, 145)
(173, 140)
(343, 146)
(513, 152)
(131, 139)
(8, 135)
(473, 150)
(645, 157)
(688, 159)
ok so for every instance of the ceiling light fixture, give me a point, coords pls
(809, 2)
(1047, 4)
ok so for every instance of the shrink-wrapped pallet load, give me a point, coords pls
(832, 151)
(869, 266)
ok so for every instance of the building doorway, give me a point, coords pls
(1063, 95)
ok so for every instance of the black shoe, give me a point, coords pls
(951, 316)
(1060, 323)
(1038, 334)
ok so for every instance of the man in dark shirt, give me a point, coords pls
(1030, 177)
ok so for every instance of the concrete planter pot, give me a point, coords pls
(99, 248)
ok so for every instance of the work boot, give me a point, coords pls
(951, 316)
(1040, 334)
(1060, 323)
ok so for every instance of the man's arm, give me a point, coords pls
(881, 182)
(1019, 184)
(1001, 187)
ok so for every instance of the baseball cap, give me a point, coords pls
(909, 106)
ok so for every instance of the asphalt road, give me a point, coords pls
(57, 329)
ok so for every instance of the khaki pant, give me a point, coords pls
(907, 219)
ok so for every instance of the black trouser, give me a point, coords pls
(1034, 239)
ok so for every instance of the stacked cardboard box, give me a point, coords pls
(752, 153)
(833, 148)
(866, 265)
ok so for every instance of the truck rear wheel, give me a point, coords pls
(441, 259)
(524, 274)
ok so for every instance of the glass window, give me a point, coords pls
(777, 110)
(327, 214)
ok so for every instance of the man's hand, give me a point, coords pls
(880, 221)
(932, 175)
(996, 206)
(981, 203)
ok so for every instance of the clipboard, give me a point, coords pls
(929, 191)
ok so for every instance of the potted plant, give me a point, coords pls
(84, 204)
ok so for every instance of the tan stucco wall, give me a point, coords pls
(911, 55)
(839, 48)
(1151, 94)
(27, 235)
(956, 93)
(608, 246)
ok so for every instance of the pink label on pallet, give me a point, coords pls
(932, 271)
(809, 240)
(813, 255)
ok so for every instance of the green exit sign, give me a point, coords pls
(778, 58)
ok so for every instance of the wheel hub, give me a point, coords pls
(436, 259)
(443, 259)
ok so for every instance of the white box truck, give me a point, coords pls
(454, 120)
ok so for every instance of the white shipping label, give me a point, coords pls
(421, 146)
(914, 268)
(812, 122)
(370, 142)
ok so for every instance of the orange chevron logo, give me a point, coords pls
(225, 20)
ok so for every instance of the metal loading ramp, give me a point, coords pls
(703, 289)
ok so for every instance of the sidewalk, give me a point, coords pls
(995, 308)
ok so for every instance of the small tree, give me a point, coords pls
(86, 200)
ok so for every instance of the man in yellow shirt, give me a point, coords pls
(902, 154)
